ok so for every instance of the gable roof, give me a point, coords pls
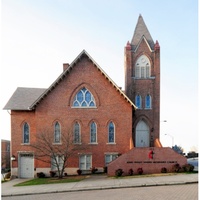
(141, 31)
(22, 98)
(32, 96)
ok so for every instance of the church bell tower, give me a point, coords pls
(142, 85)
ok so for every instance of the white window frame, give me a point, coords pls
(93, 142)
(85, 161)
(84, 103)
(150, 102)
(111, 142)
(79, 133)
(109, 157)
(24, 142)
(55, 132)
(59, 160)
(143, 67)
(136, 101)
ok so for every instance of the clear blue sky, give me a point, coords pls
(38, 36)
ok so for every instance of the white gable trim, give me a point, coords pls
(68, 70)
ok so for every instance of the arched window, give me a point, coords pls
(143, 67)
(84, 98)
(138, 101)
(57, 133)
(93, 132)
(111, 132)
(148, 102)
(26, 133)
(77, 135)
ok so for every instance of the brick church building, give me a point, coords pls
(107, 121)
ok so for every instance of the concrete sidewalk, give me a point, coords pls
(97, 182)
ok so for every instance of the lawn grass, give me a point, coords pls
(40, 181)
(70, 179)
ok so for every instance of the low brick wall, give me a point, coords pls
(142, 158)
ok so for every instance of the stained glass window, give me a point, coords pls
(57, 132)
(93, 133)
(111, 132)
(26, 133)
(84, 98)
(77, 137)
(138, 101)
(148, 102)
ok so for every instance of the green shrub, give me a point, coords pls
(140, 171)
(176, 168)
(105, 170)
(65, 174)
(188, 168)
(118, 172)
(79, 171)
(163, 170)
(93, 170)
(40, 175)
(52, 173)
(130, 172)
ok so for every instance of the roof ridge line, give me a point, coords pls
(63, 74)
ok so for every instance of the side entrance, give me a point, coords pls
(142, 134)
(26, 165)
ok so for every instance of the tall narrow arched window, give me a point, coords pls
(138, 101)
(26, 133)
(111, 132)
(148, 102)
(84, 98)
(77, 134)
(93, 132)
(57, 133)
(143, 67)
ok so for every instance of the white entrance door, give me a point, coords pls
(26, 166)
(142, 134)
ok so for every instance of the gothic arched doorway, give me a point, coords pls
(142, 134)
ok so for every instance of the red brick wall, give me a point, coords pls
(18, 118)
(139, 158)
(144, 87)
(57, 106)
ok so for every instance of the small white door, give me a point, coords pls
(26, 166)
(142, 134)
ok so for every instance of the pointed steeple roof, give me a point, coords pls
(141, 31)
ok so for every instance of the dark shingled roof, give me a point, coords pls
(140, 32)
(23, 98)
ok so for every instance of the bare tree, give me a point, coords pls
(46, 150)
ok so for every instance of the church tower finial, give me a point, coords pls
(140, 31)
